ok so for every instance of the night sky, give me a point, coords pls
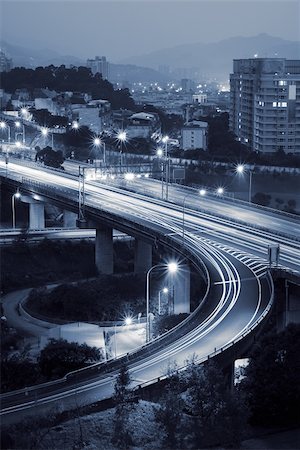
(120, 29)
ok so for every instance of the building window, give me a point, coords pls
(282, 82)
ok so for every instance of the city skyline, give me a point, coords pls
(124, 29)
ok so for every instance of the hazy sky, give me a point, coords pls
(124, 28)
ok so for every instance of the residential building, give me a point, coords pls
(96, 115)
(265, 104)
(143, 125)
(194, 135)
(5, 62)
(99, 65)
(200, 98)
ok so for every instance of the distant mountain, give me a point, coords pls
(24, 57)
(216, 58)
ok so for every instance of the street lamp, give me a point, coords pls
(45, 133)
(240, 168)
(3, 126)
(75, 125)
(172, 268)
(164, 290)
(15, 195)
(165, 141)
(98, 142)
(122, 137)
(19, 125)
(220, 191)
(159, 153)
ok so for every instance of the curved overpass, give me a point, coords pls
(239, 296)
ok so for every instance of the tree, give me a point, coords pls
(272, 379)
(260, 198)
(50, 157)
(123, 398)
(217, 414)
(60, 357)
(169, 413)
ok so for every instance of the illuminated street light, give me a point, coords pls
(122, 137)
(128, 321)
(165, 290)
(18, 144)
(165, 140)
(220, 190)
(172, 268)
(75, 125)
(19, 125)
(202, 192)
(3, 126)
(98, 142)
(240, 169)
(129, 176)
(17, 195)
(45, 133)
(159, 152)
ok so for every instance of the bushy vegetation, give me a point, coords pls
(109, 297)
(61, 79)
(56, 359)
(272, 383)
(23, 264)
(60, 357)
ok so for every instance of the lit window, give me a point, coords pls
(282, 83)
(274, 104)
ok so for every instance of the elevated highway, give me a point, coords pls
(231, 254)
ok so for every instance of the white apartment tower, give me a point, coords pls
(99, 65)
(265, 104)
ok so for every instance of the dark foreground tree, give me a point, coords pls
(123, 397)
(60, 357)
(272, 383)
(169, 414)
(217, 414)
(50, 157)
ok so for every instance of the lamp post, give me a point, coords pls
(45, 133)
(160, 153)
(98, 142)
(19, 125)
(164, 290)
(15, 195)
(241, 169)
(165, 141)
(122, 137)
(172, 268)
(3, 126)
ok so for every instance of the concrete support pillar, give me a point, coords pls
(180, 290)
(36, 216)
(142, 256)
(69, 219)
(36, 212)
(104, 250)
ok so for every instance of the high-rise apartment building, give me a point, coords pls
(5, 62)
(265, 104)
(99, 65)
